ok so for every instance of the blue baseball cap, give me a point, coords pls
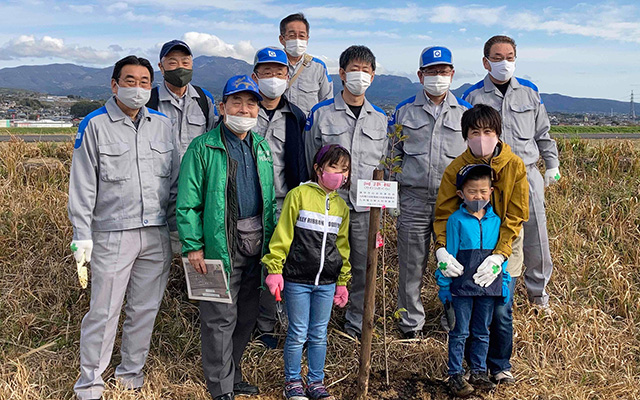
(167, 47)
(270, 55)
(464, 172)
(435, 55)
(241, 83)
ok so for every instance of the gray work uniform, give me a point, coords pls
(525, 127)
(434, 139)
(186, 115)
(332, 121)
(122, 193)
(312, 86)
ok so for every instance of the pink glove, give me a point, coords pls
(274, 281)
(341, 297)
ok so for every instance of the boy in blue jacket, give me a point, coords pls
(472, 234)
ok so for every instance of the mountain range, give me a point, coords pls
(212, 72)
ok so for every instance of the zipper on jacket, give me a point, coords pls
(324, 239)
(480, 223)
(264, 233)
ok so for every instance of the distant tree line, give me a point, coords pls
(84, 107)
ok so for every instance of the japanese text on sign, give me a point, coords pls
(377, 194)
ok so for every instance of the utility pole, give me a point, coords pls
(632, 112)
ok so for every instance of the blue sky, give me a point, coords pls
(578, 49)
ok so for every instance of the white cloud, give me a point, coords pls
(211, 45)
(47, 46)
(347, 34)
(117, 7)
(83, 9)
(459, 15)
(264, 7)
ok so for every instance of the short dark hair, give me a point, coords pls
(331, 154)
(291, 18)
(478, 174)
(131, 60)
(498, 39)
(357, 52)
(481, 116)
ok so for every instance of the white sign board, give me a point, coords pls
(377, 194)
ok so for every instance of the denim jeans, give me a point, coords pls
(309, 309)
(473, 315)
(501, 337)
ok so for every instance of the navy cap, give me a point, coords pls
(435, 55)
(270, 55)
(464, 172)
(167, 47)
(241, 83)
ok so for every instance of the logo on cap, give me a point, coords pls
(437, 53)
(272, 53)
(242, 81)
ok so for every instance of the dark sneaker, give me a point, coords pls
(416, 334)
(226, 396)
(504, 378)
(294, 390)
(245, 389)
(268, 339)
(481, 381)
(458, 386)
(316, 391)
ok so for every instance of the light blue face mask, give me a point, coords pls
(475, 205)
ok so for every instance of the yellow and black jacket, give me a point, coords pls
(310, 244)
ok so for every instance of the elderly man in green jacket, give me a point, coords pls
(226, 211)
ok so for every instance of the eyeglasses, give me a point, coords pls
(294, 35)
(271, 74)
(498, 59)
(434, 72)
(130, 82)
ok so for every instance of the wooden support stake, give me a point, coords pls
(369, 299)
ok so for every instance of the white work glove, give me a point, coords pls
(551, 176)
(176, 245)
(80, 248)
(488, 270)
(447, 264)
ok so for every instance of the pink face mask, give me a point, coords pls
(483, 146)
(332, 180)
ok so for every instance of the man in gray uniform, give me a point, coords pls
(525, 127)
(431, 122)
(282, 124)
(122, 193)
(309, 80)
(190, 108)
(360, 127)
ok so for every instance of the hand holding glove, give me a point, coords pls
(445, 295)
(274, 281)
(341, 296)
(551, 176)
(489, 270)
(447, 264)
(80, 248)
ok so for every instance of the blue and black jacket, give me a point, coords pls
(470, 240)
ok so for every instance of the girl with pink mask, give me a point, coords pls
(308, 262)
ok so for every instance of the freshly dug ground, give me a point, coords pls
(588, 348)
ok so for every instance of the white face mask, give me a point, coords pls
(272, 87)
(295, 47)
(436, 85)
(358, 82)
(240, 124)
(502, 70)
(133, 97)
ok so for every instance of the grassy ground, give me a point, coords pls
(38, 131)
(594, 129)
(588, 349)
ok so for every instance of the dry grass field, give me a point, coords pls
(588, 349)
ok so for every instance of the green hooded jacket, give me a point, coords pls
(206, 207)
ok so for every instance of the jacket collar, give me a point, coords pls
(489, 213)
(489, 86)
(116, 114)
(319, 189)
(497, 162)
(340, 104)
(165, 95)
(449, 100)
(214, 138)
